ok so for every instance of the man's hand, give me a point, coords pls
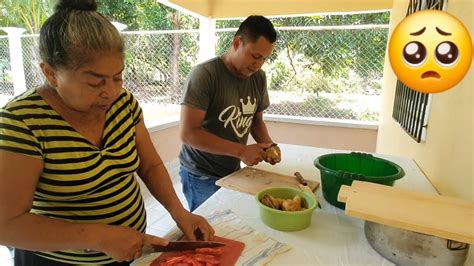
(253, 154)
(273, 154)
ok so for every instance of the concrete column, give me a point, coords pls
(207, 39)
(16, 58)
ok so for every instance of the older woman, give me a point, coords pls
(69, 151)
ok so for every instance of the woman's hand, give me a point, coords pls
(190, 223)
(123, 243)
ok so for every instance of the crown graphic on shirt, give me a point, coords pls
(248, 108)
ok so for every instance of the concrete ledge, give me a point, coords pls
(157, 127)
(324, 133)
(322, 121)
(290, 119)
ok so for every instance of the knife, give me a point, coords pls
(182, 245)
(301, 180)
(303, 185)
(271, 146)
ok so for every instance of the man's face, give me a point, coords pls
(250, 56)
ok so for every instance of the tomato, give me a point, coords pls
(213, 251)
(207, 259)
(174, 260)
(200, 256)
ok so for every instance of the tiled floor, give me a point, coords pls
(158, 220)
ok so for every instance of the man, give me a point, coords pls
(224, 100)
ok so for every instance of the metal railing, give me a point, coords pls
(321, 72)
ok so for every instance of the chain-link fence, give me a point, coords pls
(31, 60)
(6, 82)
(157, 64)
(323, 72)
(329, 72)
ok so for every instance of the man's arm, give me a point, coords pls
(260, 135)
(193, 134)
(259, 129)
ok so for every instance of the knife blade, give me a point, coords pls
(272, 145)
(303, 185)
(183, 245)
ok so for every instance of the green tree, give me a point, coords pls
(146, 15)
(151, 55)
(28, 14)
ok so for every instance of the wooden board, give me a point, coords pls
(231, 252)
(251, 180)
(437, 215)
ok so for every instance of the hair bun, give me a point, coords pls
(84, 5)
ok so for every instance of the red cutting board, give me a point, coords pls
(232, 251)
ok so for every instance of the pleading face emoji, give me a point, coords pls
(430, 51)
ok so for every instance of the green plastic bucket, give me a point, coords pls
(342, 168)
(286, 220)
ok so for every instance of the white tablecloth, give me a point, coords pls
(333, 238)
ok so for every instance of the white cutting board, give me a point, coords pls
(437, 215)
(251, 181)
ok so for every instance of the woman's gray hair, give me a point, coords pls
(76, 33)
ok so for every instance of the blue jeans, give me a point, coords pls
(197, 189)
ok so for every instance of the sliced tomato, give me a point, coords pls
(207, 259)
(174, 260)
(212, 251)
(190, 260)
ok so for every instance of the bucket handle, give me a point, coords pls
(362, 154)
(343, 174)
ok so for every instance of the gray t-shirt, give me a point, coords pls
(230, 104)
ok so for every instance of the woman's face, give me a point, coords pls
(93, 87)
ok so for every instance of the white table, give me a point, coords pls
(332, 238)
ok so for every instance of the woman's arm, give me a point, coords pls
(19, 175)
(155, 176)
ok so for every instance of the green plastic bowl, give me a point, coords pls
(342, 168)
(286, 220)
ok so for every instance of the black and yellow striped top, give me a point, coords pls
(80, 181)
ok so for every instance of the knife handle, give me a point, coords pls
(300, 179)
(198, 234)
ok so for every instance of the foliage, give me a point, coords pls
(28, 14)
(316, 60)
(319, 20)
(304, 61)
(145, 15)
(312, 107)
(137, 15)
